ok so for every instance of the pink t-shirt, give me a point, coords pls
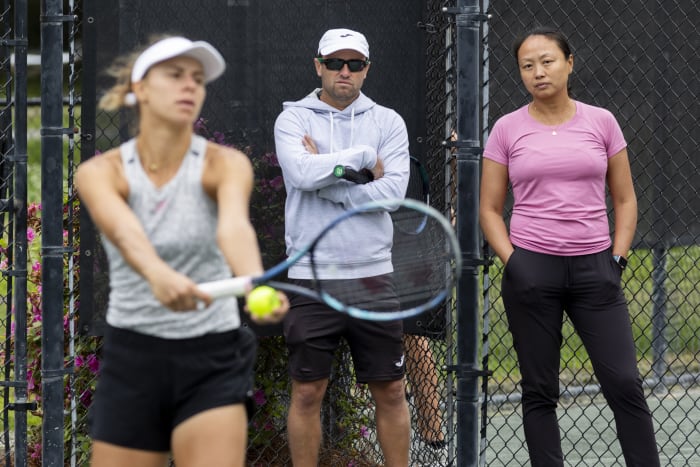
(558, 178)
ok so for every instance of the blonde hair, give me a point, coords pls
(120, 70)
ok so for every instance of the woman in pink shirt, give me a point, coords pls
(558, 155)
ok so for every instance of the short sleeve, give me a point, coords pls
(614, 138)
(496, 148)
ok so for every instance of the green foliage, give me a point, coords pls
(80, 384)
(33, 155)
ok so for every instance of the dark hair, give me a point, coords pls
(548, 32)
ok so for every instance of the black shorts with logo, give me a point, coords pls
(313, 331)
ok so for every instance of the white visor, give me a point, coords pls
(210, 58)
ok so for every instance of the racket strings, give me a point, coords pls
(406, 219)
(419, 266)
(423, 263)
(356, 269)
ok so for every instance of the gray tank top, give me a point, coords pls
(180, 220)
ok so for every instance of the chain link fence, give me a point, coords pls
(636, 59)
(15, 237)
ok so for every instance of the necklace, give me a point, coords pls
(151, 166)
(563, 120)
(161, 168)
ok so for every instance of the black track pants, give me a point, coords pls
(537, 289)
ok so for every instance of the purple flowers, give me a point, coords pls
(259, 397)
(91, 362)
(81, 383)
(364, 432)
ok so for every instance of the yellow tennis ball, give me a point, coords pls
(262, 300)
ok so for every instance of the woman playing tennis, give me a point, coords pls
(173, 211)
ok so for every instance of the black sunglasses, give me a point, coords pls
(337, 64)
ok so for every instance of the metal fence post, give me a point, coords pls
(52, 131)
(659, 298)
(468, 46)
(18, 211)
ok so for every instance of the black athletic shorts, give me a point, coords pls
(148, 385)
(313, 331)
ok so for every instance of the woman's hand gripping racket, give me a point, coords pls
(422, 277)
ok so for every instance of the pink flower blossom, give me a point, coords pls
(36, 313)
(30, 380)
(35, 451)
(36, 266)
(219, 137)
(32, 209)
(270, 158)
(86, 397)
(93, 363)
(259, 397)
(199, 125)
(30, 234)
(277, 183)
(364, 432)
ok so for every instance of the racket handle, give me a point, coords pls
(232, 287)
(360, 177)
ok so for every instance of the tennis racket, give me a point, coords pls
(421, 277)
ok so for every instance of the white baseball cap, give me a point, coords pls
(210, 58)
(341, 39)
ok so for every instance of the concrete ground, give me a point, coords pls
(588, 433)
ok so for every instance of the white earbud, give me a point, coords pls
(130, 99)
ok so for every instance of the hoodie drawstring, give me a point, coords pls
(352, 130)
(331, 114)
(352, 127)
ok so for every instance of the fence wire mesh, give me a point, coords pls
(636, 59)
(14, 239)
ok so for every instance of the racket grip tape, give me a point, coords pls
(232, 287)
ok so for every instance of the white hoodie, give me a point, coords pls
(354, 137)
